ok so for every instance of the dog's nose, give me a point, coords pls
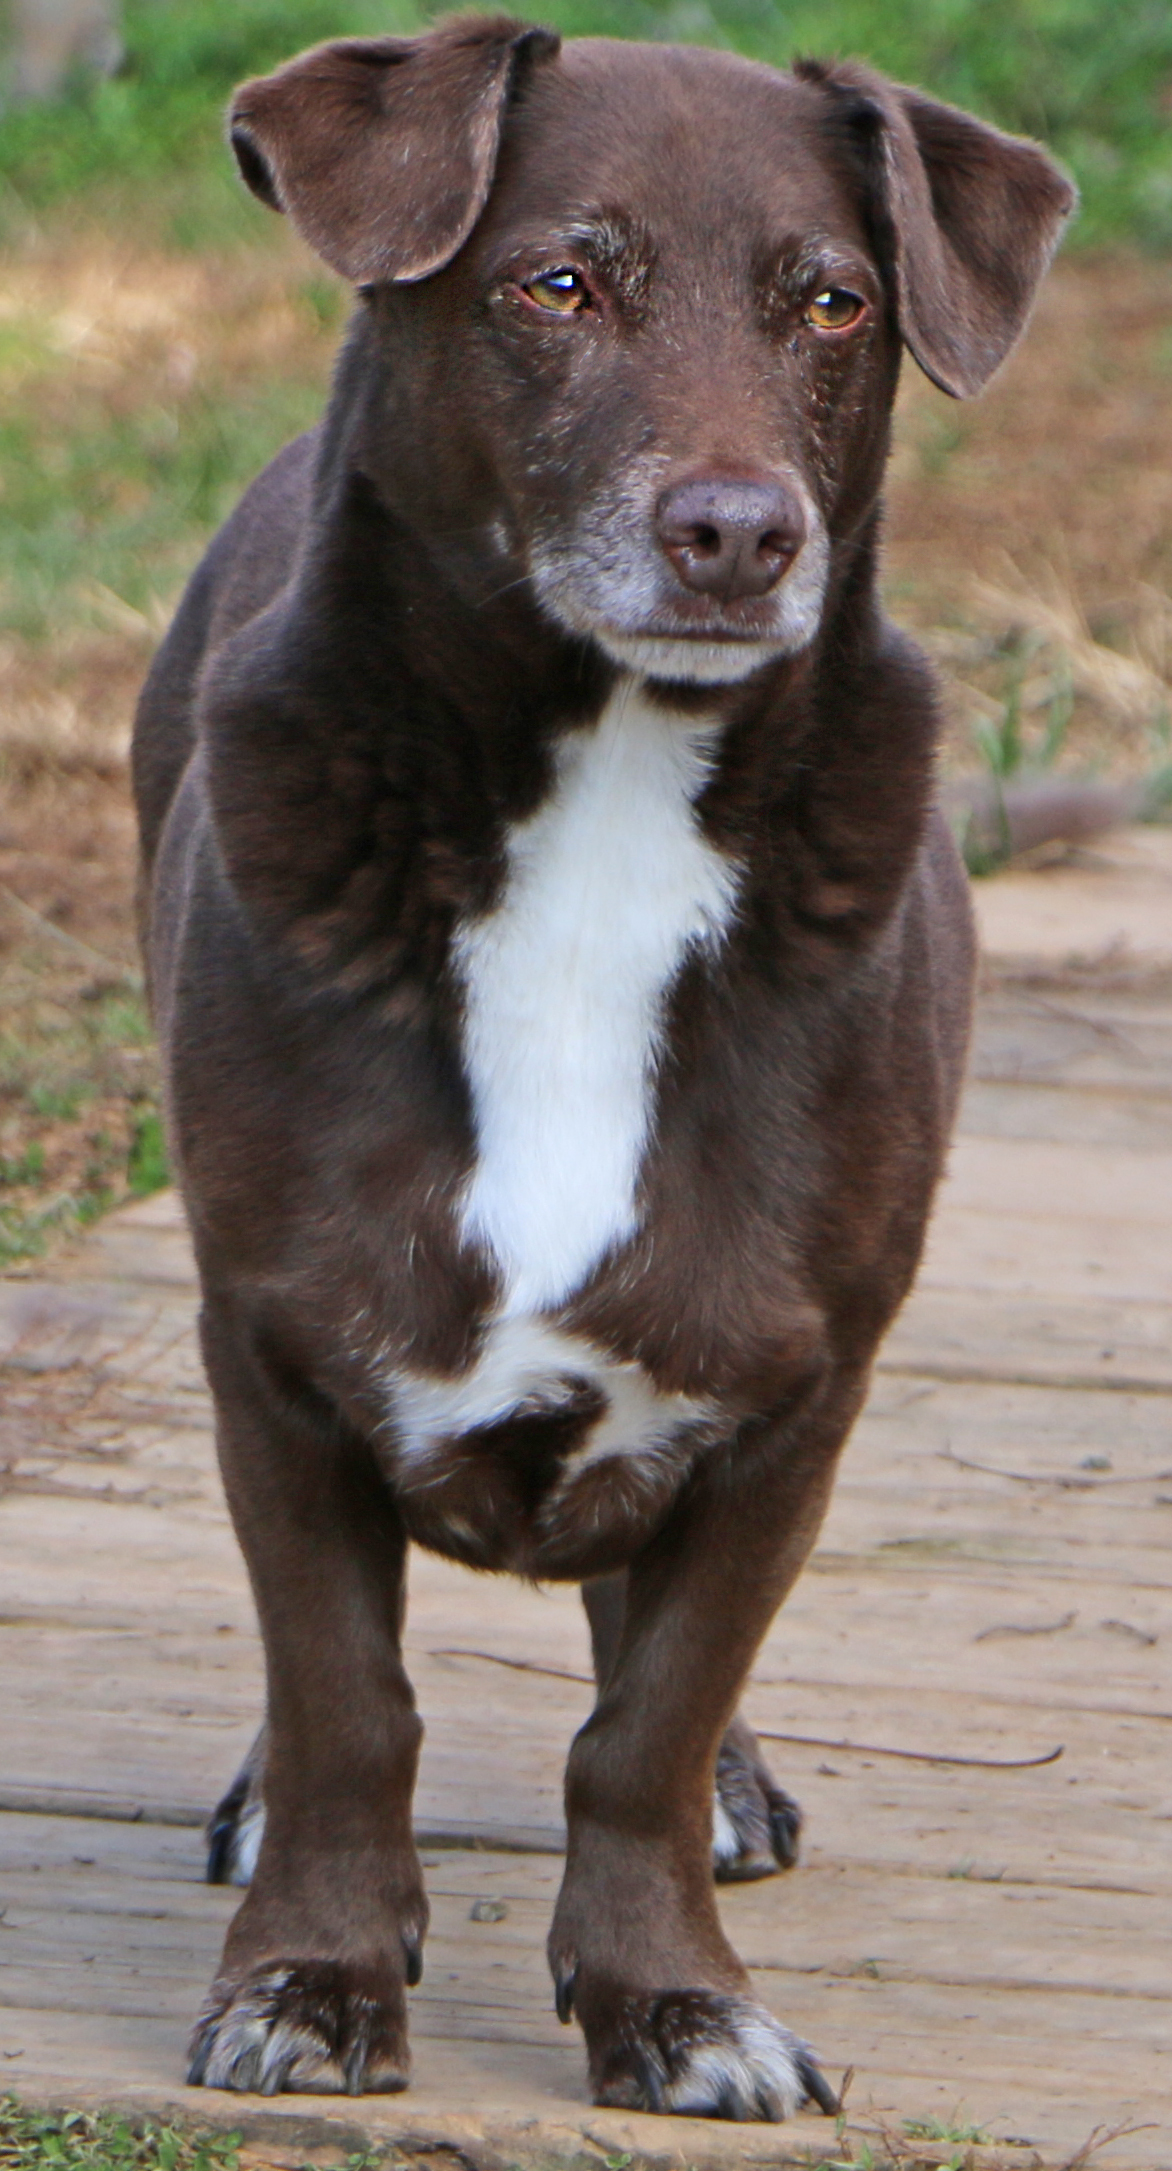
(730, 538)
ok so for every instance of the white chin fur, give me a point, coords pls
(703, 663)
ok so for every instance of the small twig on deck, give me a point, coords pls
(918, 1756)
(805, 1741)
(1026, 1628)
(1070, 1484)
(1102, 2137)
(1103, 1027)
(1134, 1635)
(518, 1665)
(71, 942)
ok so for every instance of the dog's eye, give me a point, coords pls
(834, 309)
(562, 292)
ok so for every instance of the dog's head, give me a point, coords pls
(639, 308)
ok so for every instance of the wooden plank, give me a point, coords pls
(958, 1331)
(1112, 904)
(1019, 1109)
(1049, 1259)
(115, 1690)
(935, 1988)
(994, 1579)
(1084, 1041)
(1043, 1179)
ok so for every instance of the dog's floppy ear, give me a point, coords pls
(382, 150)
(969, 218)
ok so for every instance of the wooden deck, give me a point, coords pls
(969, 1691)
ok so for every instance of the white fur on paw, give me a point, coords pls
(752, 2071)
(300, 2027)
(244, 1849)
(702, 2052)
(236, 1826)
(250, 2046)
(755, 1824)
(726, 1840)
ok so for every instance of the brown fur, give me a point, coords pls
(361, 693)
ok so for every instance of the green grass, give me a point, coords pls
(107, 2141)
(1007, 746)
(103, 2141)
(68, 1049)
(954, 2130)
(27, 1168)
(149, 141)
(146, 1165)
(78, 1084)
(104, 498)
(26, 1232)
(1088, 75)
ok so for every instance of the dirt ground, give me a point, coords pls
(1029, 541)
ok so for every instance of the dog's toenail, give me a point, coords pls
(818, 2088)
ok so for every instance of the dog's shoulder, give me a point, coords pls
(245, 566)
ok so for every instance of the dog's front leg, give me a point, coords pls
(636, 1948)
(756, 1825)
(311, 1989)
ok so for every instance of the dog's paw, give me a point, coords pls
(315, 2027)
(755, 1823)
(703, 2053)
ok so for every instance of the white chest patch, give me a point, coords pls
(609, 886)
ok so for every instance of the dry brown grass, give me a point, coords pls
(1126, 686)
(1031, 531)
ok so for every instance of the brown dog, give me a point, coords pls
(562, 972)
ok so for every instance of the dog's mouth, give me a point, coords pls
(708, 633)
(713, 643)
(651, 611)
(620, 597)
(706, 658)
